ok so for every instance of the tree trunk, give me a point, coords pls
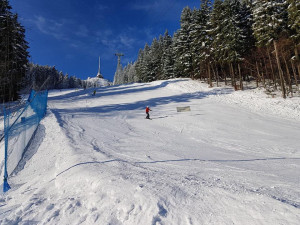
(262, 75)
(295, 75)
(217, 74)
(214, 73)
(209, 76)
(280, 70)
(289, 76)
(232, 75)
(266, 70)
(258, 75)
(297, 60)
(273, 74)
(241, 79)
(225, 79)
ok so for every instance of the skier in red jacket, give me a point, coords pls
(147, 112)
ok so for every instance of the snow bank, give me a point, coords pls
(254, 99)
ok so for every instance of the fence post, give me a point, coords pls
(6, 186)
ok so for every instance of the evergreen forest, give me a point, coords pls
(230, 41)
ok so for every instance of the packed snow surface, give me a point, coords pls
(233, 159)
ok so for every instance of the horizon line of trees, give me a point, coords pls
(36, 75)
(231, 41)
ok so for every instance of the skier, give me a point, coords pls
(147, 112)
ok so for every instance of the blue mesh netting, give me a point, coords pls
(19, 127)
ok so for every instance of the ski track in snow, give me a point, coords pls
(233, 159)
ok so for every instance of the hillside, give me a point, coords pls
(233, 159)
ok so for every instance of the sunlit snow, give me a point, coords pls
(233, 159)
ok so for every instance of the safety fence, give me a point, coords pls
(19, 128)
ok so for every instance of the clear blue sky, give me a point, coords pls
(71, 34)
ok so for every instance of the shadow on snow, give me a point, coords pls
(140, 105)
(113, 90)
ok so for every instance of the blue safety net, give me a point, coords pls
(19, 128)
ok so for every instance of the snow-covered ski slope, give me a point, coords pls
(233, 159)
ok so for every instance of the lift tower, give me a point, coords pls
(119, 60)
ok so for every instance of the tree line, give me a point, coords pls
(232, 41)
(48, 77)
(16, 73)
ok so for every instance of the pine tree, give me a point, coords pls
(216, 21)
(177, 64)
(154, 64)
(71, 82)
(294, 19)
(196, 44)
(146, 64)
(201, 40)
(66, 81)
(216, 32)
(294, 26)
(60, 80)
(232, 26)
(270, 20)
(269, 24)
(131, 74)
(237, 42)
(13, 53)
(182, 45)
(139, 64)
(167, 57)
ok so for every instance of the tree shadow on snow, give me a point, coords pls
(139, 105)
(112, 90)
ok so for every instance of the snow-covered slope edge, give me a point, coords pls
(253, 99)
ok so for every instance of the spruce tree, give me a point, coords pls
(201, 40)
(294, 19)
(182, 45)
(234, 37)
(138, 65)
(270, 21)
(216, 32)
(196, 44)
(154, 63)
(167, 57)
(13, 53)
(294, 27)
(146, 64)
(177, 64)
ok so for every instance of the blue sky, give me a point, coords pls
(71, 34)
